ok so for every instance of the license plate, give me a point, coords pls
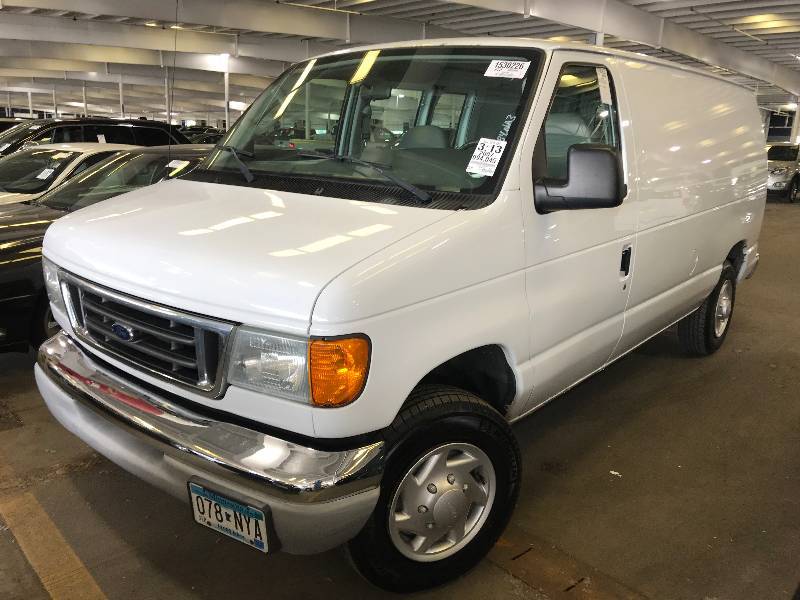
(224, 515)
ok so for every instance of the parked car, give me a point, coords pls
(784, 171)
(27, 174)
(318, 349)
(190, 130)
(139, 132)
(8, 122)
(25, 316)
(209, 137)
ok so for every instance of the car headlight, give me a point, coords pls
(779, 171)
(53, 285)
(325, 373)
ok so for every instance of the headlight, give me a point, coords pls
(271, 364)
(52, 285)
(779, 171)
(326, 373)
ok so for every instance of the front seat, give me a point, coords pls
(563, 130)
(424, 136)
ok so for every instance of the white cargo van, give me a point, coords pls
(323, 340)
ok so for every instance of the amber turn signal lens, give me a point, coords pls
(338, 370)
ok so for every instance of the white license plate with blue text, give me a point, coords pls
(229, 517)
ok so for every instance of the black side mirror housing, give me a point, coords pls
(594, 180)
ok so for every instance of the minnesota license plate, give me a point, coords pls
(230, 517)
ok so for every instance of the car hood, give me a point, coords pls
(15, 198)
(238, 253)
(24, 224)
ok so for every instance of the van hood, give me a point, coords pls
(247, 255)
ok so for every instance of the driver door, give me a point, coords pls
(579, 262)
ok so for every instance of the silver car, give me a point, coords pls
(783, 168)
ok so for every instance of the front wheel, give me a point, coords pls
(703, 331)
(450, 486)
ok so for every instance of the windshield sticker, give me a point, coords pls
(45, 174)
(177, 163)
(4, 146)
(101, 138)
(35, 127)
(605, 87)
(509, 121)
(510, 69)
(486, 157)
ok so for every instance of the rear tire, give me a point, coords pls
(703, 332)
(793, 193)
(450, 486)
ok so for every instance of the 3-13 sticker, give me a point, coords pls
(486, 157)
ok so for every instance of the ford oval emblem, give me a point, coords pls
(123, 332)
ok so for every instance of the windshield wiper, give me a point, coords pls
(421, 195)
(248, 175)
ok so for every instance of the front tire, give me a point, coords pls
(793, 193)
(450, 486)
(703, 332)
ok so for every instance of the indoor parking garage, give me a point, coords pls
(372, 298)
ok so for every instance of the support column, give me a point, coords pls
(8, 104)
(167, 104)
(85, 105)
(794, 138)
(30, 105)
(55, 105)
(121, 99)
(599, 38)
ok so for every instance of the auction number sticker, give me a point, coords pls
(510, 69)
(486, 157)
(45, 173)
(177, 164)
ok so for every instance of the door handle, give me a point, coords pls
(625, 262)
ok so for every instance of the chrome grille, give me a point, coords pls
(182, 347)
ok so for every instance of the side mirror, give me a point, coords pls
(594, 180)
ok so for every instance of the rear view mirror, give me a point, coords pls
(594, 180)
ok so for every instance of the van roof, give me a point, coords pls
(546, 45)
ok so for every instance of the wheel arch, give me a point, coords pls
(484, 371)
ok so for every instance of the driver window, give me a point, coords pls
(583, 112)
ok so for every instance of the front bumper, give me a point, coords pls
(318, 499)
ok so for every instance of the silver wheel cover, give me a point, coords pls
(442, 502)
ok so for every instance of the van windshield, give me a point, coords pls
(785, 153)
(367, 125)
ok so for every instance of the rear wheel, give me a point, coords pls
(450, 485)
(703, 332)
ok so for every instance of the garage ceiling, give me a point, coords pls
(63, 45)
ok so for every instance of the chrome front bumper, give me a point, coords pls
(318, 498)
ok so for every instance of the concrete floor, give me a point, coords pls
(706, 503)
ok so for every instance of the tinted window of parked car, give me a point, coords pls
(121, 173)
(108, 134)
(150, 136)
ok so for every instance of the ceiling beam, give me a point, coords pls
(617, 18)
(253, 15)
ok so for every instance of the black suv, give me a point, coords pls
(139, 132)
